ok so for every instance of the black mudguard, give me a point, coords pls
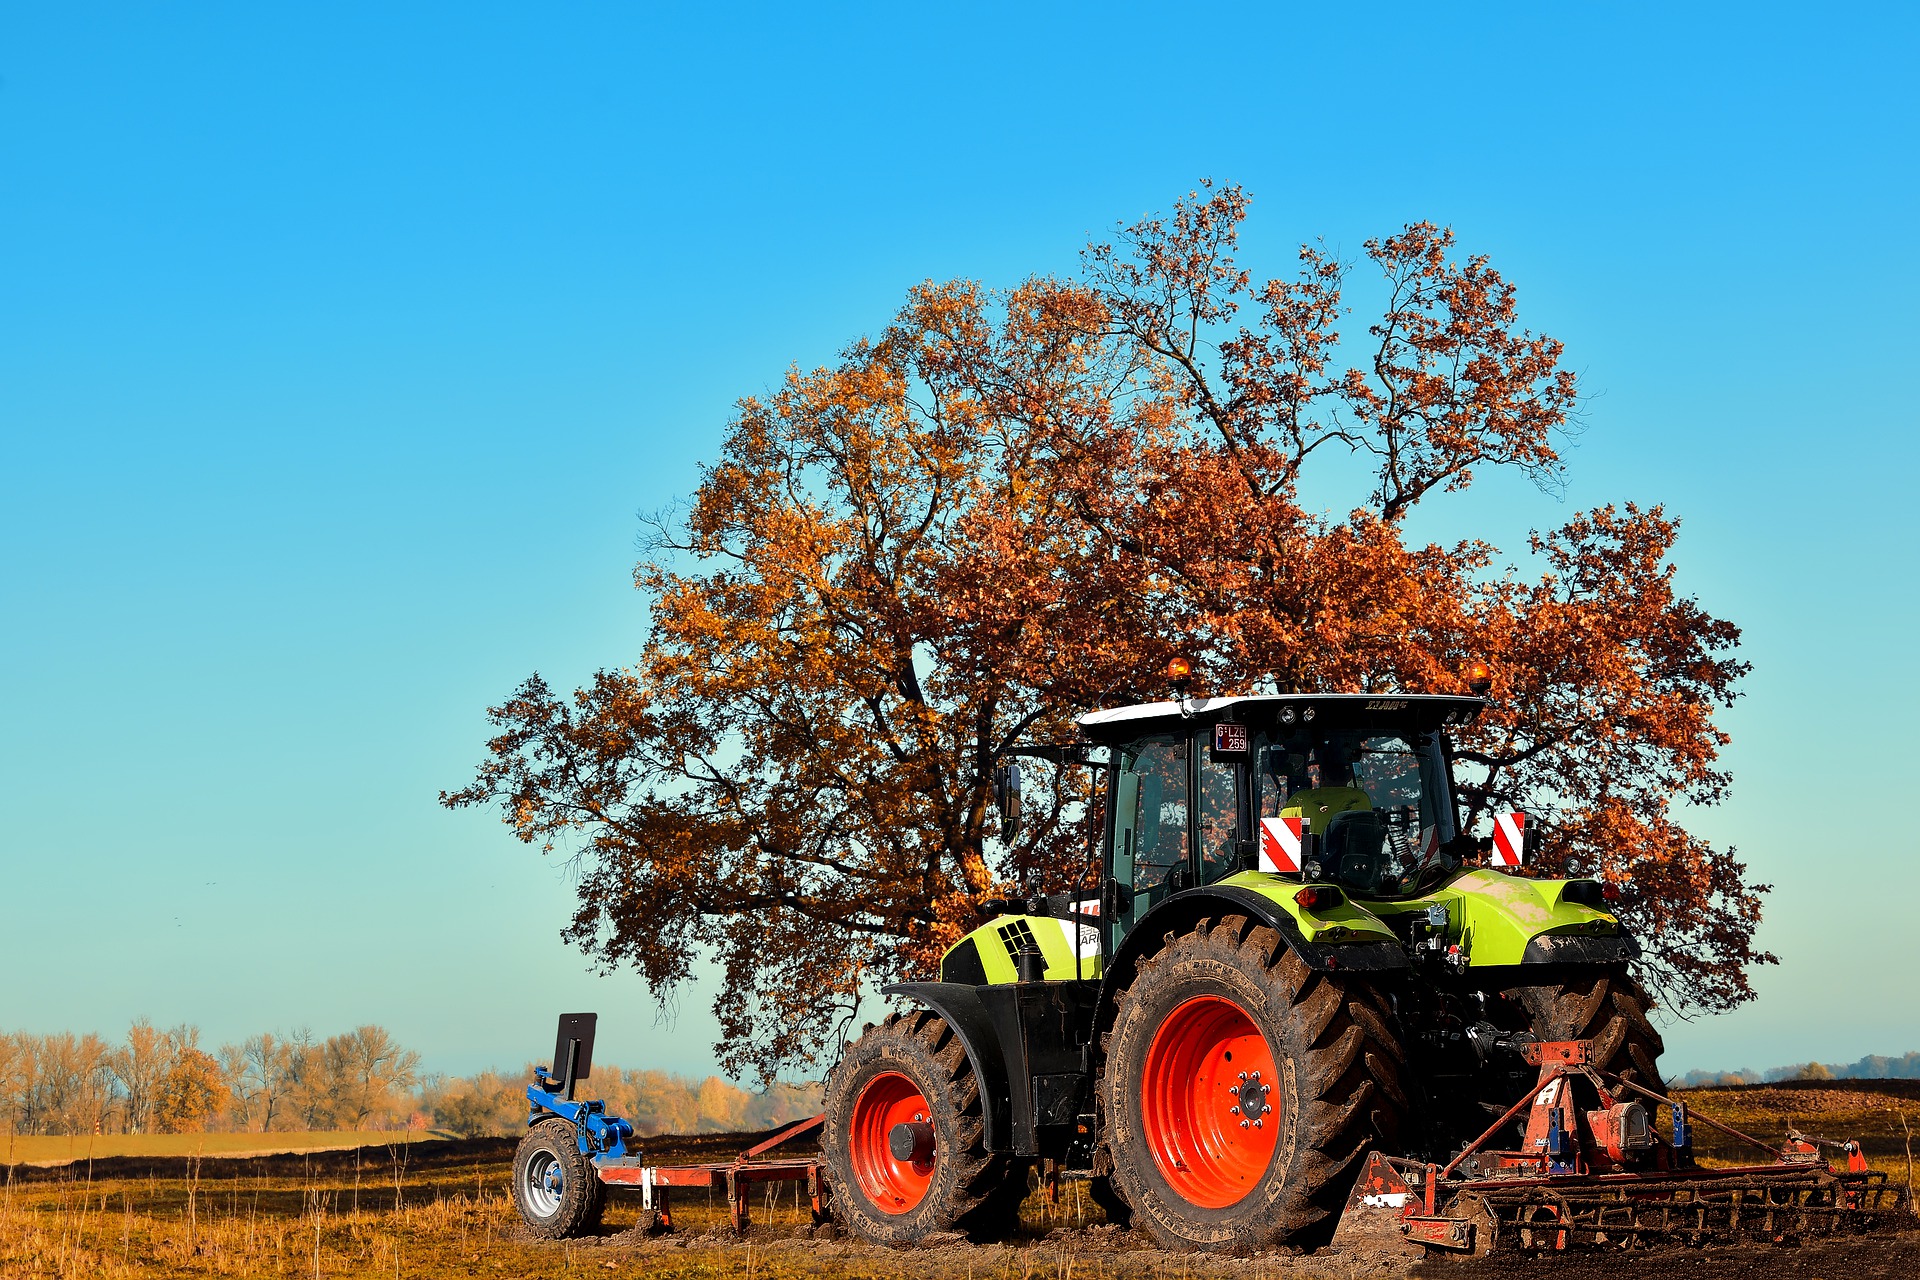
(960, 1004)
(1030, 1036)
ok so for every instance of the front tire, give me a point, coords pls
(1243, 1091)
(905, 1139)
(555, 1188)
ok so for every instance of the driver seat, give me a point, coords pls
(1355, 849)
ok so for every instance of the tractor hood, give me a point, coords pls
(1501, 919)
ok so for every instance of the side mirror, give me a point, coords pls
(1116, 899)
(1006, 798)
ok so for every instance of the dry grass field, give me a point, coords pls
(68, 1148)
(440, 1210)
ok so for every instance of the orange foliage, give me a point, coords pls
(1011, 507)
(192, 1093)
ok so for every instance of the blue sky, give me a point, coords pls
(340, 346)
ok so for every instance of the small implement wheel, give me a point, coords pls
(1243, 1090)
(904, 1139)
(555, 1188)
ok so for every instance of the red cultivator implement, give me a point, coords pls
(1592, 1171)
(753, 1168)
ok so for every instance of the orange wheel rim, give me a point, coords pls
(1210, 1102)
(892, 1185)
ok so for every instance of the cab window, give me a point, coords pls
(1219, 826)
(1379, 803)
(1150, 821)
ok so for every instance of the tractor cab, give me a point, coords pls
(1353, 790)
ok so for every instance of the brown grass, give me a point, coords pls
(441, 1211)
(106, 1146)
(445, 1212)
(1874, 1113)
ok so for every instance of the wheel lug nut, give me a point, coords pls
(1243, 1075)
(1256, 1075)
(1256, 1124)
(1243, 1124)
(1233, 1111)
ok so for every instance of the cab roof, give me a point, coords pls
(1425, 710)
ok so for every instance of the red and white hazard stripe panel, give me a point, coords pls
(1280, 844)
(1509, 839)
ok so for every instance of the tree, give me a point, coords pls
(260, 1072)
(487, 1105)
(73, 1085)
(1010, 507)
(310, 1086)
(369, 1071)
(12, 1078)
(193, 1092)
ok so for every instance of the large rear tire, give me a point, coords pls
(905, 1139)
(555, 1188)
(1610, 1009)
(1243, 1091)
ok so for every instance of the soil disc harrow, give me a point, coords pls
(1593, 1172)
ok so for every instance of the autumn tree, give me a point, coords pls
(140, 1064)
(259, 1071)
(193, 1092)
(1606, 678)
(1010, 507)
(369, 1072)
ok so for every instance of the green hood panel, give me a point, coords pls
(1491, 916)
(1348, 922)
(999, 939)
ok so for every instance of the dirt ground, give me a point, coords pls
(440, 1210)
(1099, 1253)
(1884, 1258)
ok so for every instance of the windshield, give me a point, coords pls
(1379, 803)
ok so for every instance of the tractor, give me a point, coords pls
(1297, 1004)
(1295, 970)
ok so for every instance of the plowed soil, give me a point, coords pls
(1891, 1258)
(458, 1224)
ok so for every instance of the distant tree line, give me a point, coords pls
(1874, 1066)
(160, 1080)
(490, 1104)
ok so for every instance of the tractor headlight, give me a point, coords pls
(1307, 714)
(1287, 715)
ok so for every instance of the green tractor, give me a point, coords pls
(1294, 959)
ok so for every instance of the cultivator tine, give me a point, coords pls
(1760, 1205)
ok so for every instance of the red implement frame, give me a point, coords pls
(1571, 1183)
(655, 1182)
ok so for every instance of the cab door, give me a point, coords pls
(1151, 840)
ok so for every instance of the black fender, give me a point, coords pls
(960, 1004)
(1180, 912)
